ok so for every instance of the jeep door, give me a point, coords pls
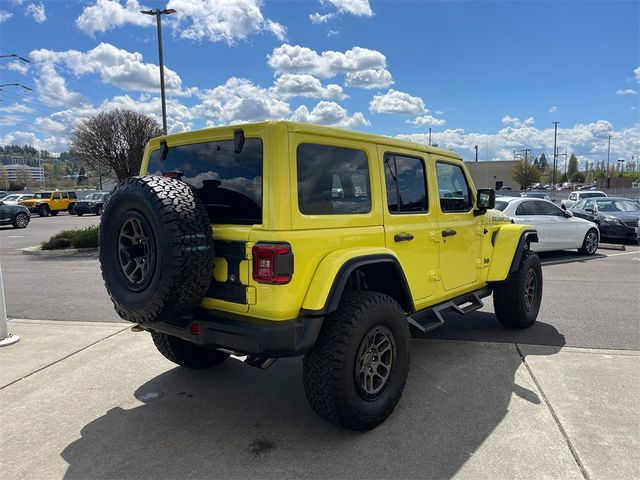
(410, 225)
(459, 229)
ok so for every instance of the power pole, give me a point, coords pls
(555, 153)
(429, 136)
(476, 148)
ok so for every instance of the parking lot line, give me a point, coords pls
(625, 253)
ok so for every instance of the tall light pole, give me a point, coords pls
(429, 136)
(476, 149)
(158, 14)
(555, 153)
(608, 155)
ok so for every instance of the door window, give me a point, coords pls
(455, 195)
(406, 184)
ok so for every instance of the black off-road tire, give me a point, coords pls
(187, 354)
(43, 210)
(517, 300)
(590, 243)
(54, 213)
(172, 257)
(331, 384)
(21, 220)
(99, 210)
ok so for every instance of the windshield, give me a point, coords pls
(618, 206)
(93, 196)
(10, 198)
(501, 205)
(42, 195)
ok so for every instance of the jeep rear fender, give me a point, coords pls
(509, 242)
(382, 273)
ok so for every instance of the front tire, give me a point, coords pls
(356, 372)
(21, 220)
(589, 244)
(72, 208)
(187, 354)
(517, 300)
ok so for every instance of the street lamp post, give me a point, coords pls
(15, 55)
(608, 171)
(555, 154)
(158, 14)
(476, 149)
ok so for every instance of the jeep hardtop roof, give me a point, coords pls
(297, 127)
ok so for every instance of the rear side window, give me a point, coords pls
(229, 183)
(593, 194)
(65, 195)
(455, 195)
(405, 181)
(528, 208)
(332, 180)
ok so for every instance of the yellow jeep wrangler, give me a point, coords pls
(279, 239)
(47, 203)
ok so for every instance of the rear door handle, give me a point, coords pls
(448, 233)
(403, 237)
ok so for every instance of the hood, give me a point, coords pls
(31, 201)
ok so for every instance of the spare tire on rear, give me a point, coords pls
(156, 249)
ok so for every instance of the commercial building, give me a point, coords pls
(497, 174)
(16, 173)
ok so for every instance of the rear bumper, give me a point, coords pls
(247, 336)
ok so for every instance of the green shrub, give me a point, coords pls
(82, 238)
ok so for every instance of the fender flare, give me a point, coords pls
(342, 276)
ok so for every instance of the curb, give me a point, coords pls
(612, 246)
(67, 252)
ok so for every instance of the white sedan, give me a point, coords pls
(557, 229)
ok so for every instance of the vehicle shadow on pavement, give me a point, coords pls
(235, 421)
(563, 256)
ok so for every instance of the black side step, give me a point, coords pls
(431, 318)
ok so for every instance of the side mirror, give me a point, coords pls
(567, 213)
(486, 198)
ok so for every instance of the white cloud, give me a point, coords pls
(52, 89)
(553, 109)
(427, 120)
(370, 78)
(516, 122)
(398, 102)
(47, 125)
(16, 108)
(636, 73)
(587, 141)
(626, 91)
(107, 14)
(333, 33)
(180, 118)
(239, 100)
(4, 16)
(114, 65)
(360, 8)
(37, 12)
(331, 114)
(18, 66)
(221, 20)
(296, 59)
(318, 19)
(291, 85)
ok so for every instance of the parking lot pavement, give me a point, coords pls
(118, 409)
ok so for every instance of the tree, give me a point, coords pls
(525, 174)
(542, 163)
(572, 168)
(82, 176)
(578, 177)
(114, 141)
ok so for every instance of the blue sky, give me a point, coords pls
(494, 74)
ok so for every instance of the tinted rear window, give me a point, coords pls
(229, 183)
(592, 194)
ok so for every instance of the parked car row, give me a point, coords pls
(16, 208)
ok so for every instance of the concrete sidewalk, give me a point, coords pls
(98, 401)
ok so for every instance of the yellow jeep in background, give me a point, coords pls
(47, 203)
(280, 239)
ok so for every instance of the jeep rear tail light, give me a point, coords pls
(272, 263)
